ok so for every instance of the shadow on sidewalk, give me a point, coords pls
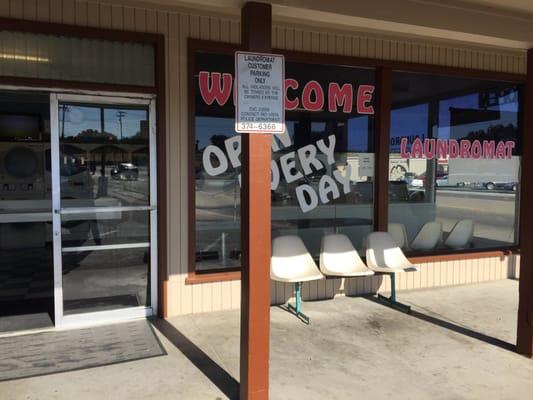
(455, 327)
(214, 372)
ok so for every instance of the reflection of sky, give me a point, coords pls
(508, 115)
(82, 118)
(413, 120)
(358, 134)
(408, 121)
(206, 127)
(131, 121)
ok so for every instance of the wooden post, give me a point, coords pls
(524, 340)
(256, 29)
(381, 174)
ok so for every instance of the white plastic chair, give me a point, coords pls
(338, 257)
(385, 256)
(291, 262)
(429, 236)
(399, 235)
(461, 235)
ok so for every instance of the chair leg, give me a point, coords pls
(297, 309)
(391, 301)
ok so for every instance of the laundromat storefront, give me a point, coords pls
(453, 161)
(130, 108)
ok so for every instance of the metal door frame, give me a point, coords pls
(112, 315)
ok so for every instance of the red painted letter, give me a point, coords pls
(464, 152)
(417, 149)
(429, 149)
(318, 103)
(509, 146)
(489, 147)
(220, 89)
(403, 148)
(453, 147)
(500, 150)
(364, 96)
(291, 104)
(475, 150)
(340, 96)
(442, 149)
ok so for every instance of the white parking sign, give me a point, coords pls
(260, 101)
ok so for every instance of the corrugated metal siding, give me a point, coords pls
(177, 26)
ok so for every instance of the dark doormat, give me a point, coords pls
(45, 353)
(13, 323)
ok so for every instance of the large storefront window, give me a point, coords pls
(454, 162)
(322, 166)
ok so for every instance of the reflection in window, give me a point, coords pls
(104, 155)
(454, 160)
(322, 166)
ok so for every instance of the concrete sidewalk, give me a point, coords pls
(457, 345)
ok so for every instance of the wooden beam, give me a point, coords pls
(381, 172)
(524, 340)
(256, 33)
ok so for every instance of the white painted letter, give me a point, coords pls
(325, 186)
(208, 165)
(307, 157)
(329, 150)
(306, 204)
(284, 139)
(233, 149)
(344, 179)
(275, 175)
(287, 165)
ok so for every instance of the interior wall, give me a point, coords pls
(178, 25)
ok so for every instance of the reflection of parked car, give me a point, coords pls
(419, 181)
(125, 171)
(442, 180)
(502, 186)
(408, 177)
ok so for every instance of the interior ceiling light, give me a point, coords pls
(11, 56)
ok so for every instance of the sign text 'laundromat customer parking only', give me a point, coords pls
(260, 104)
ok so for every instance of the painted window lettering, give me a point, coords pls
(450, 148)
(313, 157)
(217, 87)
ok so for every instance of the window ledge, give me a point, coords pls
(195, 278)
(467, 255)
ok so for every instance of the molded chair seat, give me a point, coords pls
(291, 262)
(338, 257)
(461, 235)
(399, 235)
(429, 236)
(383, 255)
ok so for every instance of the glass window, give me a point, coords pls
(454, 162)
(35, 55)
(322, 166)
(104, 155)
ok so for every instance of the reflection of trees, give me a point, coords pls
(91, 136)
(96, 136)
(497, 133)
(218, 140)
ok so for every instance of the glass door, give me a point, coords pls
(104, 208)
(26, 266)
